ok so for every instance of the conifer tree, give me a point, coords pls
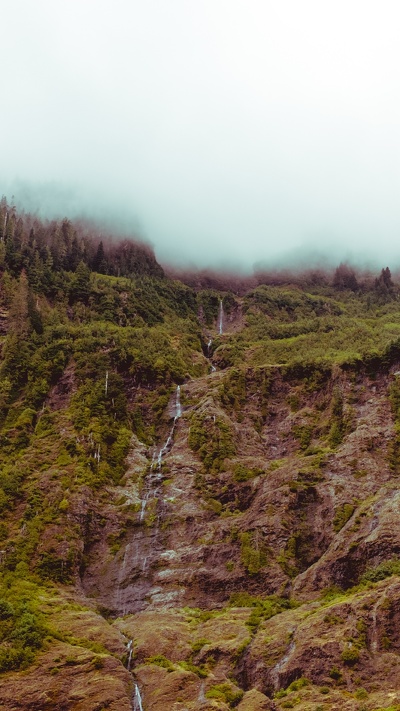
(383, 284)
(80, 288)
(99, 262)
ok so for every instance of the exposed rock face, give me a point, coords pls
(83, 673)
(231, 561)
(76, 684)
(317, 518)
(183, 548)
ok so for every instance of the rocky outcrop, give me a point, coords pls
(249, 557)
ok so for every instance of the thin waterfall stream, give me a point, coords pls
(221, 318)
(134, 570)
(137, 704)
(137, 699)
(275, 671)
(139, 550)
(129, 649)
(154, 477)
(209, 354)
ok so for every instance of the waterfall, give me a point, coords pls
(178, 414)
(275, 671)
(166, 446)
(374, 631)
(143, 505)
(201, 697)
(137, 699)
(209, 344)
(178, 409)
(129, 649)
(221, 317)
(155, 469)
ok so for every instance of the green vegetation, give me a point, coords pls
(294, 686)
(384, 570)
(201, 671)
(243, 473)
(337, 429)
(212, 438)
(305, 331)
(262, 608)
(23, 628)
(350, 655)
(226, 692)
(254, 552)
(342, 515)
(160, 661)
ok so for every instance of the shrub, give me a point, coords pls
(225, 692)
(382, 571)
(350, 655)
(160, 661)
(253, 552)
(212, 438)
(23, 628)
(242, 473)
(342, 515)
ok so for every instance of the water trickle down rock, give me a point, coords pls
(129, 649)
(120, 579)
(178, 408)
(178, 413)
(136, 699)
(155, 469)
(220, 317)
(275, 672)
(209, 344)
(133, 578)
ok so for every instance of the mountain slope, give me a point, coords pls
(198, 495)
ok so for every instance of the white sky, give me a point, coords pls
(226, 131)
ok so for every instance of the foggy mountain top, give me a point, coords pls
(115, 222)
(355, 279)
(82, 242)
(305, 266)
(228, 134)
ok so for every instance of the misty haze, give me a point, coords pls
(227, 134)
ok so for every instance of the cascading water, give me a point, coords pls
(178, 408)
(220, 317)
(146, 541)
(129, 649)
(275, 672)
(131, 584)
(209, 344)
(155, 470)
(178, 414)
(136, 698)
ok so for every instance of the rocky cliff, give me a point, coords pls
(202, 514)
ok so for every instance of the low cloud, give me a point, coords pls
(227, 134)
